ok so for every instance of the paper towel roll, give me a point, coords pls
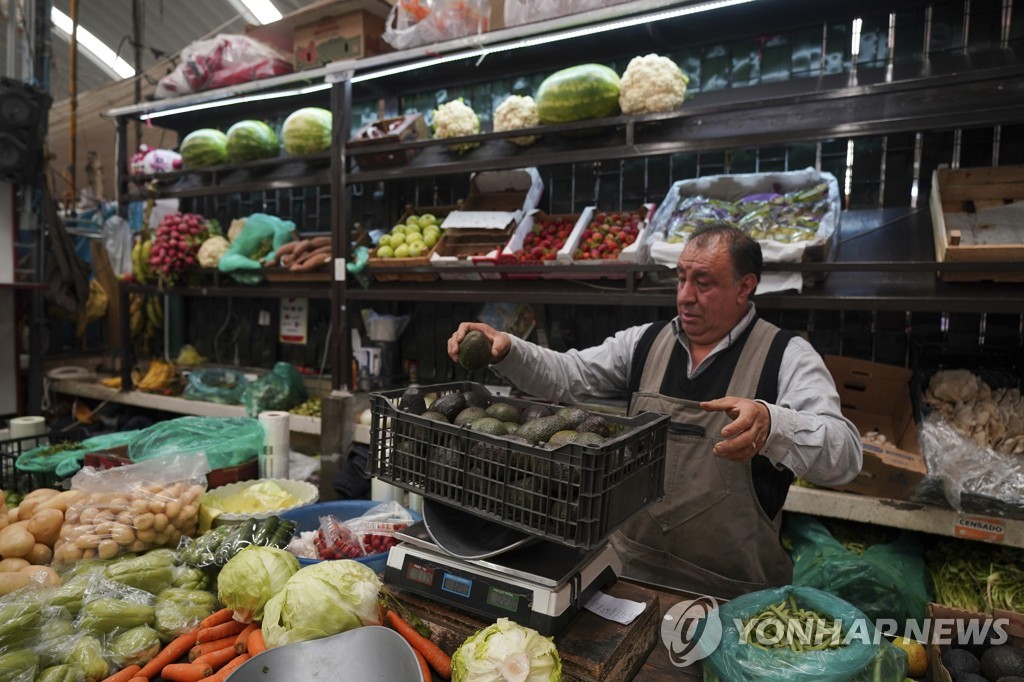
(276, 445)
(25, 427)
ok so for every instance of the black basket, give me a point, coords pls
(13, 479)
(573, 494)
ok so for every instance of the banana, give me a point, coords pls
(155, 313)
(136, 259)
(111, 382)
(145, 255)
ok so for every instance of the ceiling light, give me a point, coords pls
(236, 100)
(95, 49)
(259, 11)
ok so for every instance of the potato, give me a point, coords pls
(15, 541)
(12, 514)
(61, 501)
(107, 549)
(45, 525)
(29, 504)
(43, 575)
(39, 555)
(4, 521)
(13, 565)
(9, 582)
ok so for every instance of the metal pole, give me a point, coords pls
(137, 25)
(73, 94)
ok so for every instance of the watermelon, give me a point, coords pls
(307, 131)
(204, 147)
(249, 140)
(578, 93)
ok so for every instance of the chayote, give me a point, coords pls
(136, 646)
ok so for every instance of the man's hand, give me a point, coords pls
(500, 343)
(747, 433)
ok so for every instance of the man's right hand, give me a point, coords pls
(500, 343)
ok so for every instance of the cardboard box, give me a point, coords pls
(508, 257)
(1011, 623)
(978, 216)
(408, 128)
(497, 201)
(328, 31)
(877, 397)
(634, 253)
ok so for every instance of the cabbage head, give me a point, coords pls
(322, 600)
(252, 577)
(507, 652)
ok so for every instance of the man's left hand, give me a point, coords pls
(747, 433)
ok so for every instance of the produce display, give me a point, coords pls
(456, 119)
(311, 408)
(545, 238)
(506, 650)
(578, 93)
(307, 131)
(301, 255)
(652, 84)
(607, 235)
(412, 239)
(514, 113)
(791, 217)
(204, 147)
(250, 140)
(992, 418)
(217, 546)
(176, 243)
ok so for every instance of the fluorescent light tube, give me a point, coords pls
(95, 49)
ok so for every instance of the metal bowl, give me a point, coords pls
(367, 654)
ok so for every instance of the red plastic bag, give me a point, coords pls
(224, 60)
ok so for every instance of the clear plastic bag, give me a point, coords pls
(216, 386)
(734, 660)
(412, 23)
(226, 59)
(226, 441)
(335, 540)
(376, 528)
(132, 508)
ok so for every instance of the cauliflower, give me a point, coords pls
(651, 84)
(455, 119)
(211, 251)
(514, 113)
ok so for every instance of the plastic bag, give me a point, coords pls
(973, 479)
(216, 386)
(335, 540)
(258, 241)
(376, 528)
(226, 59)
(412, 23)
(117, 239)
(868, 657)
(886, 581)
(282, 389)
(519, 12)
(226, 441)
(132, 508)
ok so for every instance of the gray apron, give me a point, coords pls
(708, 534)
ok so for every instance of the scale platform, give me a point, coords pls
(538, 584)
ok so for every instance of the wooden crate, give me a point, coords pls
(388, 131)
(396, 269)
(981, 200)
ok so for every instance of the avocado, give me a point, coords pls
(505, 412)
(435, 416)
(489, 453)
(445, 469)
(1002, 661)
(475, 351)
(489, 425)
(970, 677)
(526, 495)
(540, 429)
(535, 411)
(595, 423)
(589, 438)
(511, 427)
(1011, 678)
(573, 416)
(412, 401)
(469, 414)
(958, 662)
(563, 437)
(563, 518)
(449, 405)
(476, 399)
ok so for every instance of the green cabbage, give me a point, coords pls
(252, 577)
(321, 600)
(507, 652)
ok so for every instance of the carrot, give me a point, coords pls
(424, 667)
(177, 648)
(228, 629)
(219, 658)
(438, 659)
(139, 679)
(243, 637)
(216, 618)
(124, 675)
(223, 673)
(185, 672)
(207, 647)
(255, 644)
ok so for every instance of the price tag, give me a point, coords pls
(982, 528)
(294, 320)
(622, 611)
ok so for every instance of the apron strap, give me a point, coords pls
(657, 360)
(747, 374)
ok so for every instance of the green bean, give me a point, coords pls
(780, 622)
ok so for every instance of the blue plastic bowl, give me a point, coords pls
(308, 518)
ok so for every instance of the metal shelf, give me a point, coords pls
(908, 515)
(224, 286)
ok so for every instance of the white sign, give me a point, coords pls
(294, 320)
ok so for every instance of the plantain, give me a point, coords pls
(155, 313)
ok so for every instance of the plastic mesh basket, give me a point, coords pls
(13, 479)
(573, 494)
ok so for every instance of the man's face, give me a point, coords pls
(709, 298)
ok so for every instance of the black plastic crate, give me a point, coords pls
(573, 494)
(13, 479)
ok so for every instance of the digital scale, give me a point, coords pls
(491, 570)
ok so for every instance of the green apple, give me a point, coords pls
(411, 228)
(398, 229)
(416, 249)
(402, 251)
(384, 240)
(385, 252)
(430, 238)
(427, 219)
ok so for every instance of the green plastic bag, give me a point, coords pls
(46, 459)
(282, 389)
(866, 656)
(259, 240)
(887, 581)
(226, 441)
(216, 386)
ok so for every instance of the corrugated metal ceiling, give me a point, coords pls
(167, 27)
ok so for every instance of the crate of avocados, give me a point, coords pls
(407, 128)
(978, 217)
(562, 473)
(399, 250)
(991, 646)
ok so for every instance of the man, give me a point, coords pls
(751, 406)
